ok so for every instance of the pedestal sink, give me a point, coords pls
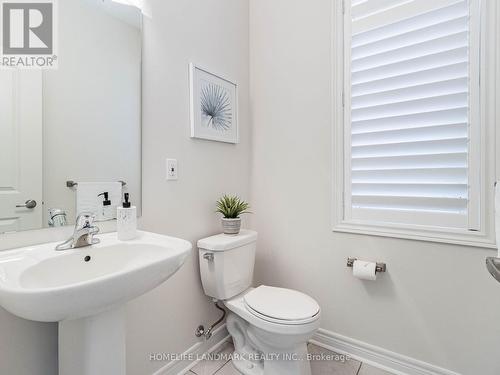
(86, 290)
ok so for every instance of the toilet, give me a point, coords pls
(270, 326)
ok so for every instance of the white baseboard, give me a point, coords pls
(395, 363)
(179, 367)
(373, 355)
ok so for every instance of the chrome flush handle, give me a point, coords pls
(209, 257)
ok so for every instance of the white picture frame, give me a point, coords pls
(214, 106)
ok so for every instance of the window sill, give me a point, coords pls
(475, 239)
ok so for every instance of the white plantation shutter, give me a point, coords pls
(412, 84)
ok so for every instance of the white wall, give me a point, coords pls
(92, 105)
(26, 347)
(437, 303)
(214, 34)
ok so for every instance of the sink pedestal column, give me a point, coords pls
(93, 345)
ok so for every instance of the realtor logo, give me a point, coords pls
(28, 34)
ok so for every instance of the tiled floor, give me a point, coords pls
(220, 365)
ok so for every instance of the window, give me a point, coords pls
(411, 124)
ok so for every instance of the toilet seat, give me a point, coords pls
(281, 306)
(238, 306)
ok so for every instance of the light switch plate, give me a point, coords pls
(172, 172)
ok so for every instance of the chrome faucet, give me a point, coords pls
(83, 235)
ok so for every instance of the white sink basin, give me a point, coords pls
(39, 283)
(86, 290)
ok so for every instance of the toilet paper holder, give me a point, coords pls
(381, 267)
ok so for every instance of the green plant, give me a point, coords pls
(232, 206)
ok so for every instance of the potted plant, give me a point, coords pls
(231, 207)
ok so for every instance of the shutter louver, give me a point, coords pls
(409, 112)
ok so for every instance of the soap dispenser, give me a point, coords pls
(105, 212)
(126, 225)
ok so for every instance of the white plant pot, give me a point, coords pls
(231, 226)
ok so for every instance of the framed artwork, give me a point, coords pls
(214, 106)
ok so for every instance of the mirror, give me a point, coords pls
(80, 122)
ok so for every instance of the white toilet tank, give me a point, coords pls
(226, 263)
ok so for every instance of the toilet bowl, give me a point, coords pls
(270, 326)
(270, 337)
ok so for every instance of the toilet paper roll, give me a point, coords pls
(364, 270)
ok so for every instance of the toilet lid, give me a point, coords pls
(281, 304)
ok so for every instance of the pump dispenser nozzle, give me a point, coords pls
(106, 201)
(126, 203)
